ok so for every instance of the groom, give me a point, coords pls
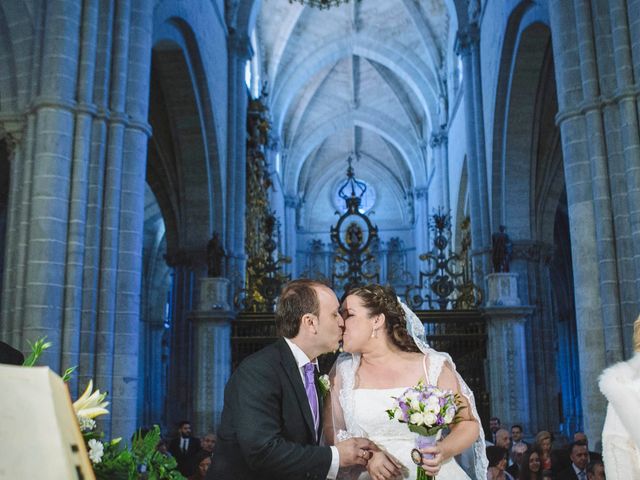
(271, 419)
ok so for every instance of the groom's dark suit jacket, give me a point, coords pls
(267, 429)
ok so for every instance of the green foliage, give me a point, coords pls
(67, 373)
(37, 348)
(124, 463)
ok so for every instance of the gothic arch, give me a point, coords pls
(16, 26)
(514, 158)
(186, 157)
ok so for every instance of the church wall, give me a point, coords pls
(78, 171)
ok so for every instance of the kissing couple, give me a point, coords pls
(277, 425)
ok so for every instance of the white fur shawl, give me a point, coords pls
(621, 434)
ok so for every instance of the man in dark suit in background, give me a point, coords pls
(271, 419)
(579, 455)
(184, 448)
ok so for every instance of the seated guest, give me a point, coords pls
(593, 456)
(208, 442)
(530, 467)
(543, 445)
(516, 439)
(515, 461)
(579, 455)
(201, 463)
(163, 447)
(595, 471)
(497, 457)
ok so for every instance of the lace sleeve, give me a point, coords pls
(437, 361)
(339, 423)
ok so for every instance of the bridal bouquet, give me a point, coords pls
(426, 409)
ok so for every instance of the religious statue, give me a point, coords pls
(501, 248)
(215, 256)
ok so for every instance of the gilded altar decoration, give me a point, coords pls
(264, 275)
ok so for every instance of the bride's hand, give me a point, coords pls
(383, 467)
(431, 460)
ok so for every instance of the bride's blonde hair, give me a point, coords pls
(636, 334)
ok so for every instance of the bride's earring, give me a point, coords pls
(374, 334)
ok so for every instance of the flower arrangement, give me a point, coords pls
(426, 409)
(110, 459)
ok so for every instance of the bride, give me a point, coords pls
(386, 355)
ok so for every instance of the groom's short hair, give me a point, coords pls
(298, 298)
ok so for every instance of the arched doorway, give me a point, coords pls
(186, 203)
(529, 198)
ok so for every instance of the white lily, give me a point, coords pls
(91, 404)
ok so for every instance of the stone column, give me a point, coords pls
(136, 135)
(440, 145)
(9, 326)
(421, 209)
(583, 69)
(211, 327)
(239, 51)
(291, 203)
(467, 46)
(507, 352)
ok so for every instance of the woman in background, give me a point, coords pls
(531, 468)
(543, 445)
(621, 433)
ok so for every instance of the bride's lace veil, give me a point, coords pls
(339, 418)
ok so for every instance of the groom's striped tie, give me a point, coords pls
(312, 395)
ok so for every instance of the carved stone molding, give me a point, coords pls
(535, 252)
(239, 45)
(291, 201)
(438, 139)
(187, 258)
(466, 39)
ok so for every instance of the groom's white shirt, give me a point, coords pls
(301, 361)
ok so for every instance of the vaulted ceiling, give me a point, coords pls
(363, 79)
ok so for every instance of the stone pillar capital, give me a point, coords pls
(11, 131)
(499, 314)
(186, 258)
(530, 251)
(438, 139)
(421, 192)
(239, 45)
(291, 201)
(466, 39)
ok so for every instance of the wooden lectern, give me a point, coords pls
(39, 433)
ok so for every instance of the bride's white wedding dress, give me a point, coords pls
(361, 412)
(390, 435)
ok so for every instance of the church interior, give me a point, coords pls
(166, 165)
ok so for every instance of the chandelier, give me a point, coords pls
(321, 4)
